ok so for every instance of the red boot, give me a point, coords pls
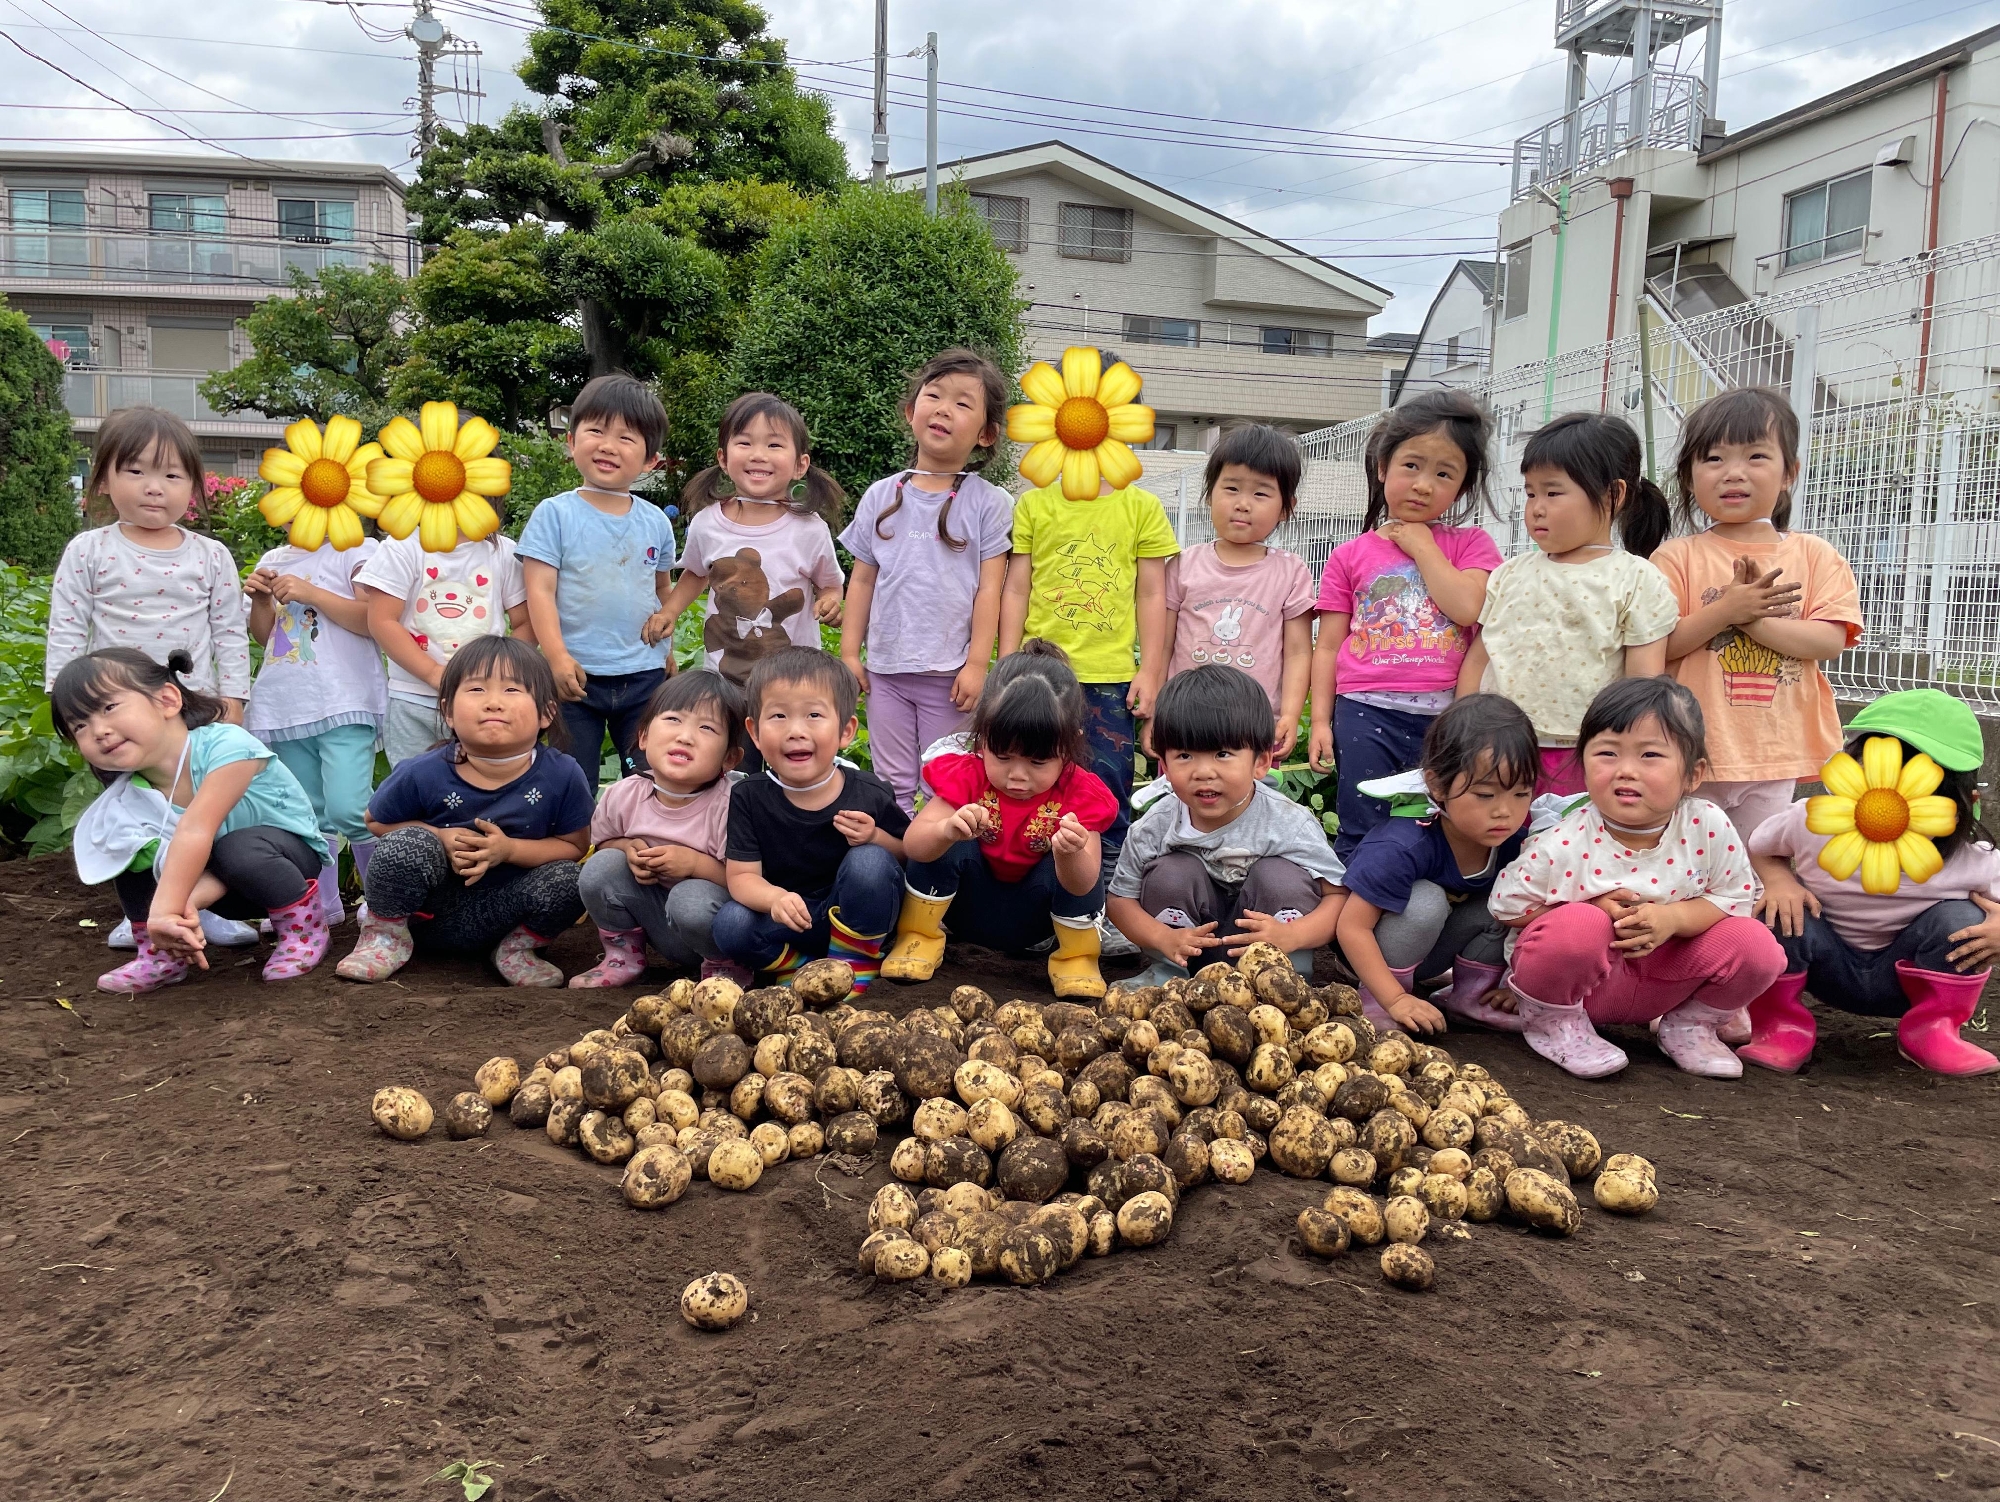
(1940, 1004)
(1781, 1028)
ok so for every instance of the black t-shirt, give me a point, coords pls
(800, 849)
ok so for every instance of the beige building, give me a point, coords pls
(138, 268)
(1221, 321)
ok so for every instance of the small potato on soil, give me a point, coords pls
(1403, 1181)
(746, 1096)
(1354, 1166)
(735, 1164)
(652, 1136)
(1145, 1218)
(773, 1143)
(976, 1080)
(401, 1112)
(772, 1054)
(467, 1114)
(1186, 1158)
(853, 1133)
(1575, 1145)
(605, 1137)
(721, 1061)
(1452, 1162)
(894, 1208)
(1443, 1196)
(1408, 1266)
(1028, 1256)
(902, 1262)
(1139, 1131)
(936, 1231)
(496, 1080)
(714, 999)
(823, 983)
(950, 1267)
(1622, 1161)
(882, 1100)
(1360, 1098)
(1103, 1233)
(807, 1139)
(1406, 1219)
(966, 1198)
(565, 1119)
(1362, 1214)
(1622, 1191)
(530, 1106)
(907, 1161)
(1543, 1201)
(641, 1114)
(1485, 1198)
(925, 1066)
(1270, 1069)
(1272, 1025)
(677, 1109)
(1230, 1161)
(871, 1248)
(714, 1301)
(1322, 1233)
(655, 1176)
(1301, 1143)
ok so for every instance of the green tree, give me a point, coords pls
(333, 346)
(850, 302)
(38, 507)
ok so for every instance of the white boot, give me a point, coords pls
(1688, 1036)
(1564, 1036)
(227, 931)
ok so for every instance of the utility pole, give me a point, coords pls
(880, 142)
(930, 123)
(432, 43)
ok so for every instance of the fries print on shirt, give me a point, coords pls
(1751, 671)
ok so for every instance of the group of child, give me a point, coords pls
(1605, 739)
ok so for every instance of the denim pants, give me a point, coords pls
(1109, 731)
(679, 918)
(264, 868)
(868, 891)
(617, 700)
(1368, 743)
(1001, 914)
(1864, 981)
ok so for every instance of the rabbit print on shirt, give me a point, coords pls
(1225, 631)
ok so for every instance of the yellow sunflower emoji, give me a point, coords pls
(437, 477)
(1882, 816)
(1082, 423)
(319, 484)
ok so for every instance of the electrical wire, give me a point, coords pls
(161, 36)
(16, 43)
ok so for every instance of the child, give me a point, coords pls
(218, 823)
(1563, 621)
(320, 697)
(1228, 860)
(1399, 605)
(1013, 829)
(478, 840)
(661, 835)
(1418, 887)
(1236, 601)
(815, 848)
(596, 563)
(422, 608)
(759, 540)
(1761, 607)
(1637, 905)
(1921, 950)
(930, 554)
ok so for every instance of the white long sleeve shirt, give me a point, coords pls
(109, 592)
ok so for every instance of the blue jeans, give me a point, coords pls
(1109, 731)
(617, 700)
(868, 891)
(1001, 914)
(1370, 743)
(1864, 981)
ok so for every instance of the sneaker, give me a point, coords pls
(1112, 943)
(121, 936)
(227, 932)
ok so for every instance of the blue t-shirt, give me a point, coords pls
(551, 798)
(274, 798)
(1398, 853)
(605, 571)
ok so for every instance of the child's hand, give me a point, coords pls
(1784, 904)
(1644, 928)
(1412, 1013)
(828, 607)
(1982, 940)
(1287, 737)
(1253, 927)
(480, 849)
(854, 666)
(1413, 538)
(1140, 696)
(286, 588)
(857, 826)
(790, 909)
(1070, 837)
(659, 626)
(639, 862)
(258, 581)
(967, 686)
(178, 935)
(669, 863)
(968, 822)
(1615, 905)
(570, 676)
(1319, 748)
(1758, 596)
(1183, 946)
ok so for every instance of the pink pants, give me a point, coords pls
(1562, 772)
(906, 712)
(1565, 958)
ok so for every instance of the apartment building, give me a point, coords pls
(137, 268)
(1454, 346)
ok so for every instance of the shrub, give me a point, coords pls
(38, 509)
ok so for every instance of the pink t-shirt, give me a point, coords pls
(1398, 640)
(794, 554)
(1864, 921)
(1235, 614)
(630, 811)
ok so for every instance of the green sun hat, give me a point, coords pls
(1932, 721)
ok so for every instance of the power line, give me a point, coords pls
(161, 36)
(16, 43)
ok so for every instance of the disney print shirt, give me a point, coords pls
(316, 675)
(1398, 639)
(1024, 825)
(1235, 614)
(448, 598)
(110, 592)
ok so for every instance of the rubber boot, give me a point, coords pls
(1940, 1004)
(385, 948)
(515, 958)
(1111, 940)
(150, 971)
(227, 932)
(331, 908)
(121, 936)
(918, 948)
(1466, 999)
(1782, 1029)
(303, 937)
(785, 966)
(863, 952)
(1372, 1008)
(729, 970)
(1073, 968)
(1688, 1036)
(1565, 1037)
(624, 959)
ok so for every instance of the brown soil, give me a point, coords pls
(218, 1270)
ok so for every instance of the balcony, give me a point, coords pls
(1656, 109)
(92, 394)
(138, 259)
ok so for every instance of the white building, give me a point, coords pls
(1455, 345)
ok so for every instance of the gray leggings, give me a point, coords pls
(679, 920)
(410, 877)
(1432, 931)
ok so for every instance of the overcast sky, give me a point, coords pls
(1395, 116)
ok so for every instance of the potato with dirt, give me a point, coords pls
(1542, 1200)
(773, 1143)
(1301, 1144)
(1485, 1196)
(564, 1121)
(401, 1112)
(957, 1160)
(530, 1105)
(1362, 1215)
(1322, 1233)
(714, 1301)
(1406, 1219)
(807, 1139)
(1408, 1266)
(735, 1165)
(991, 1125)
(605, 1137)
(1575, 1145)
(496, 1081)
(467, 1114)
(1230, 1161)
(655, 1177)
(1032, 1169)
(1146, 1218)
(852, 1133)
(1625, 1191)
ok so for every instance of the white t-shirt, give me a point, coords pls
(110, 592)
(794, 554)
(316, 675)
(448, 598)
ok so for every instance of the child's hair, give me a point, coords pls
(1264, 450)
(1460, 418)
(807, 665)
(87, 684)
(131, 433)
(626, 398)
(822, 496)
(1747, 414)
(992, 386)
(513, 659)
(1598, 452)
(1485, 734)
(1961, 787)
(687, 691)
(1032, 706)
(1622, 704)
(1212, 708)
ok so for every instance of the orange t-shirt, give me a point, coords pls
(1769, 716)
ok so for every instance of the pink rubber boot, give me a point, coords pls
(385, 948)
(1940, 1004)
(729, 969)
(1782, 1029)
(624, 959)
(303, 937)
(1466, 999)
(1565, 1037)
(519, 965)
(1688, 1037)
(150, 971)
(1373, 1009)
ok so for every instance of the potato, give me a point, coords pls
(1110, 1075)
(652, 1136)
(1322, 1233)
(723, 1122)
(1067, 1228)
(1444, 1196)
(936, 1231)
(880, 1098)
(640, 1114)
(1329, 1043)
(1574, 1145)
(965, 1198)
(1186, 1158)
(1230, 1161)
(605, 1137)
(714, 999)
(530, 1106)
(1084, 1145)
(1146, 1172)
(564, 1120)
(1485, 1197)
(852, 1133)
(1152, 1093)
(1452, 1162)
(1406, 1219)
(1045, 1108)
(1103, 1233)
(1618, 1162)
(894, 1208)
(655, 1176)
(950, 1267)
(1146, 1218)
(1405, 1180)
(991, 1124)
(1360, 1098)
(957, 1160)
(496, 1080)
(717, 1300)
(907, 1161)
(976, 1080)
(837, 1091)
(1393, 1055)
(871, 1248)
(1258, 957)
(1139, 1131)
(1301, 1143)
(467, 1114)
(401, 1112)
(1362, 1215)
(1411, 1106)
(1271, 1026)
(1408, 1266)
(1193, 1079)
(939, 1118)
(735, 1164)
(807, 1139)
(1448, 1127)
(1283, 987)
(1542, 1201)
(1230, 1033)
(1623, 1191)
(721, 1061)
(772, 1053)
(1389, 1136)
(772, 1141)
(1031, 1168)
(746, 1096)
(568, 1083)
(1270, 1069)
(1140, 1039)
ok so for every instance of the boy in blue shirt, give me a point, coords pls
(596, 561)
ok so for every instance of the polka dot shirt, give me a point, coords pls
(1699, 855)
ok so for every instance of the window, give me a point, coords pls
(32, 250)
(1516, 279)
(1144, 329)
(1006, 217)
(1165, 436)
(321, 221)
(187, 213)
(1086, 232)
(1828, 220)
(1295, 341)
(68, 338)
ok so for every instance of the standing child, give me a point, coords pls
(1399, 605)
(218, 822)
(1236, 601)
(1575, 614)
(596, 563)
(815, 848)
(1013, 829)
(661, 835)
(930, 555)
(478, 840)
(1638, 905)
(1761, 606)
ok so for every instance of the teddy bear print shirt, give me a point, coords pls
(761, 582)
(448, 598)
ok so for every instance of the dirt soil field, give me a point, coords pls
(218, 1270)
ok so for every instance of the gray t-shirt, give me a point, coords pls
(921, 618)
(1271, 825)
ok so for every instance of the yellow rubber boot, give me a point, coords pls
(918, 948)
(1073, 967)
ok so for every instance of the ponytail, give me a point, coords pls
(87, 684)
(956, 544)
(1645, 519)
(1603, 456)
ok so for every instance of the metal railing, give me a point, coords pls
(1654, 109)
(92, 256)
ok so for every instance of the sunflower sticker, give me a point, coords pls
(437, 476)
(1882, 816)
(1082, 423)
(319, 484)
